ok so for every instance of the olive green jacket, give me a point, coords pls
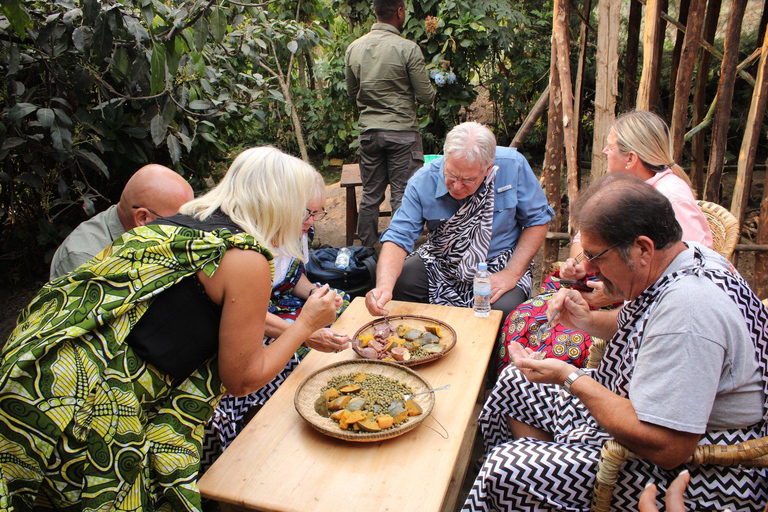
(386, 76)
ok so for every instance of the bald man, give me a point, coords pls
(153, 191)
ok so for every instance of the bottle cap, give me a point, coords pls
(482, 266)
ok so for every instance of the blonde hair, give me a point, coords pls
(265, 192)
(648, 136)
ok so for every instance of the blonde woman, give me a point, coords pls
(113, 370)
(639, 144)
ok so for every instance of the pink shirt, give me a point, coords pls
(687, 211)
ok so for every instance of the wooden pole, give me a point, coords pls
(677, 51)
(761, 258)
(607, 86)
(751, 136)
(700, 97)
(685, 76)
(649, 79)
(531, 118)
(630, 60)
(724, 101)
(578, 87)
(564, 70)
(553, 161)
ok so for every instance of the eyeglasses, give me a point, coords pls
(135, 207)
(592, 259)
(464, 181)
(315, 215)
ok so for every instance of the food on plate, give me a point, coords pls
(401, 343)
(365, 402)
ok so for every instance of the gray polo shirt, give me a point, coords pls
(86, 241)
(386, 76)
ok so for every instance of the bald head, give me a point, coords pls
(153, 191)
(619, 208)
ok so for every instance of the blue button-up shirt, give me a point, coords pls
(519, 203)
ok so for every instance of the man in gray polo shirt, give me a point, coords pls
(153, 191)
(386, 76)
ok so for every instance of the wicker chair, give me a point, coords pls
(752, 453)
(724, 226)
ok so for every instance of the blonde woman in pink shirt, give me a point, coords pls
(639, 144)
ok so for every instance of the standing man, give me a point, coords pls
(386, 76)
(152, 192)
(480, 203)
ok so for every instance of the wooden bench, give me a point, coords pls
(350, 180)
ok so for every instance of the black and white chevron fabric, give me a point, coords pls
(227, 420)
(453, 251)
(528, 474)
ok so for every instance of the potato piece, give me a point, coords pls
(385, 421)
(339, 403)
(360, 377)
(434, 329)
(330, 394)
(350, 388)
(354, 417)
(413, 408)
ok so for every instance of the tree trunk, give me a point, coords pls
(724, 101)
(658, 49)
(685, 76)
(531, 118)
(700, 97)
(553, 161)
(607, 72)
(761, 258)
(564, 70)
(649, 80)
(682, 16)
(579, 85)
(751, 137)
(630, 60)
(284, 85)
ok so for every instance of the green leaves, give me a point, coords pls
(157, 69)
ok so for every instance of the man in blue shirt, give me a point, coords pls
(479, 203)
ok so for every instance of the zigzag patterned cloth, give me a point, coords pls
(85, 424)
(451, 260)
(528, 474)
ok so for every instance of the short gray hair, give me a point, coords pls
(472, 142)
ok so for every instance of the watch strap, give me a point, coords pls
(572, 378)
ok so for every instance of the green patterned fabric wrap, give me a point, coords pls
(85, 424)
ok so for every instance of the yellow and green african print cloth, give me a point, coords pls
(85, 424)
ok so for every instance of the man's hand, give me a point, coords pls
(597, 297)
(574, 312)
(546, 371)
(572, 270)
(674, 498)
(376, 299)
(501, 283)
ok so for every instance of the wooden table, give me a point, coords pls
(280, 463)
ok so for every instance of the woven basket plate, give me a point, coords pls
(416, 322)
(309, 390)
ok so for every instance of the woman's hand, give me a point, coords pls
(674, 498)
(320, 309)
(328, 340)
(597, 298)
(572, 270)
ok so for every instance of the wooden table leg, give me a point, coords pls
(464, 461)
(351, 214)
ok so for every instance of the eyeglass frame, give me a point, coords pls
(464, 181)
(317, 216)
(136, 207)
(591, 259)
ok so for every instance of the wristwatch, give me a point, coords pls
(571, 378)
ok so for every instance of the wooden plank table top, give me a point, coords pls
(280, 463)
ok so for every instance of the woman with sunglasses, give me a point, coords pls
(639, 144)
(113, 370)
(290, 290)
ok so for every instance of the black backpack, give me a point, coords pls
(357, 279)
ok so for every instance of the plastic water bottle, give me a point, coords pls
(482, 287)
(342, 259)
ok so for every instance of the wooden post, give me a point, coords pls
(649, 79)
(607, 86)
(578, 87)
(553, 161)
(630, 60)
(677, 51)
(700, 97)
(531, 118)
(761, 258)
(751, 137)
(724, 100)
(685, 76)
(564, 70)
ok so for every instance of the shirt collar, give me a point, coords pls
(385, 26)
(658, 176)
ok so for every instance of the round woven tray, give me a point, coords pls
(309, 390)
(416, 322)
